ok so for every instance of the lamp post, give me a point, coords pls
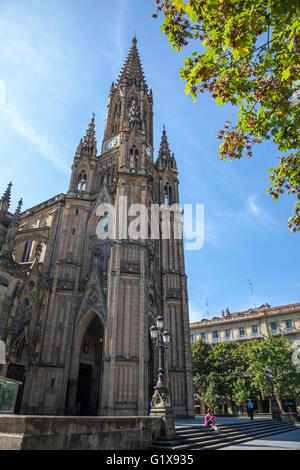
(161, 403)
(274, 405)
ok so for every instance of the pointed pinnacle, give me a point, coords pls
(18, 210)
(88, 144)
(132, 67)
(16, 216)
(164, 150)
(90, 133)
(6, 196)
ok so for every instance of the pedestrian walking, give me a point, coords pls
(250, 409)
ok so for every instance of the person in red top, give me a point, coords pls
(210, 420)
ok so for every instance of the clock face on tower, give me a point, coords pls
(111, 144)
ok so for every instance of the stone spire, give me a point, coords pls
(88, 144)
(164, 151)
(165, 158)
(132, 69)
(8, 245)
(5, 200)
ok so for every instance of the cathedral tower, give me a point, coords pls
(99, 281)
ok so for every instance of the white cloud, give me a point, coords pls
(118, 36)
(20, 45)
(253, 207)
(255, 210)
(251, 212)
(13, 120)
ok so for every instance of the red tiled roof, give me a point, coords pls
(245, 313)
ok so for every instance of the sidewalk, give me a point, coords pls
(287, 441)
(199, 421)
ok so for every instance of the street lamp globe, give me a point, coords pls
(154, 332)
(166, 337)
(160, 322)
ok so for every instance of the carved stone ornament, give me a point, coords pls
(161, 407)
(92, 297)
(161, 399)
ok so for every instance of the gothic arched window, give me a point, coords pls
(116, 118)
(133, 157)
(26, 252)
(81, 184)
(117, 109)
(168, 194)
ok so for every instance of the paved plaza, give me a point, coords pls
(199, 421)
(284, 441)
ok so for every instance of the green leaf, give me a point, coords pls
(179, 4)
(236, 66)
(192, 13)
(285, 74)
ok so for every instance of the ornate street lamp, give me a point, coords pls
(274, 405)
(161, 403)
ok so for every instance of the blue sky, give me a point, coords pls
(57, 61)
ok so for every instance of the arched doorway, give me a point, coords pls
(89, 369)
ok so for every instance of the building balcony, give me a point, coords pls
(256, 335)
(215, 340)
(228, 338)
(289, 330)
(275, 332)
(241, 337)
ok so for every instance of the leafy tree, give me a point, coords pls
(249, 57)
(241, 391)
(276, 353)
(238, 370)
(211, 394)
(201, 365)
(227, 366)
(216, 369)
(243, 387)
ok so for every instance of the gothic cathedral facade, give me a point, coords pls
(75, 309)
